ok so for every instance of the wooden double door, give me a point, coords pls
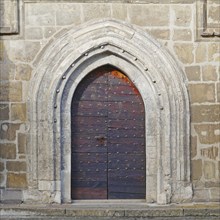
(108, 138)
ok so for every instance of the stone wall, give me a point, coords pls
(178, 25)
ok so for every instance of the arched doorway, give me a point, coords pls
(108, 138)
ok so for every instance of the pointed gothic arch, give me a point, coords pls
(65, 62)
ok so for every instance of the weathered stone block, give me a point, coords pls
(182, 35)
(22, 141)
(214, 52)
(40, 14)
(9, 16)
(17, 166)
(202, 92)
(33, 33)
(23, 72)
(68, 14)
(210, 152)
(215, 195)
(213, 13)
(4, 112)
(1, 50)
(163, 34)
(183, 15)
(92, 11)
(11, 196)
(24, 51)
(2, 166)
(18, 181)
(10, 91)
(193, 73)
(196, 169)
(209, 169)
(2, 180)
(218, 92)
(184, 52)
(149, 15)
(8, 131)
(208, 133)
(7, 151)
(49, 31)
(211, 184)
(201, 52)
(119, 11)
(18, 112)
(200, 195)
(209, 73)
(205, 113)
(193, 146)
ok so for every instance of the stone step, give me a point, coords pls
(107, 212)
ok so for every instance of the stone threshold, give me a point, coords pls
(124, 211)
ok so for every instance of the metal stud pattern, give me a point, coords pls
(108, 141)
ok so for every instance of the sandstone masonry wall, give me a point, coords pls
(175, 24)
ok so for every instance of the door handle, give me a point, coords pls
(100, 138)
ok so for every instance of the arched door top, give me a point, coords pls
(67, 60)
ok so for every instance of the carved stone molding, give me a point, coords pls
(208, 19)
(65, 62)
(9, 19)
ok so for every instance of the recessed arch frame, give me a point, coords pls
(66, 61)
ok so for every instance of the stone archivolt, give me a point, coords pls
(65, 62)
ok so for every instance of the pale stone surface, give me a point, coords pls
(201, 195)
(119, 11)
(7, 151)
(149, 15)
(205, 113)
(23, 51)
(49, 31)
(23, 72)
(18, 181)
(10, 91)
(183, 15)
(202, 92)
(214, 52)
(209, 73)
(184, 52)
(96, 11)
(9, 16)
(40, 14)
(213, 14)
(196, 169)
(201, 53)
(193, 73)
(68, 14)
(163, 34)
(208, 133)
(17, 166)
(182, 35)
(215, 194)
(4, 111)
(209, 170)
(33, 33)
(18, 112)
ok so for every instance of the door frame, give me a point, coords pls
(161, 82)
